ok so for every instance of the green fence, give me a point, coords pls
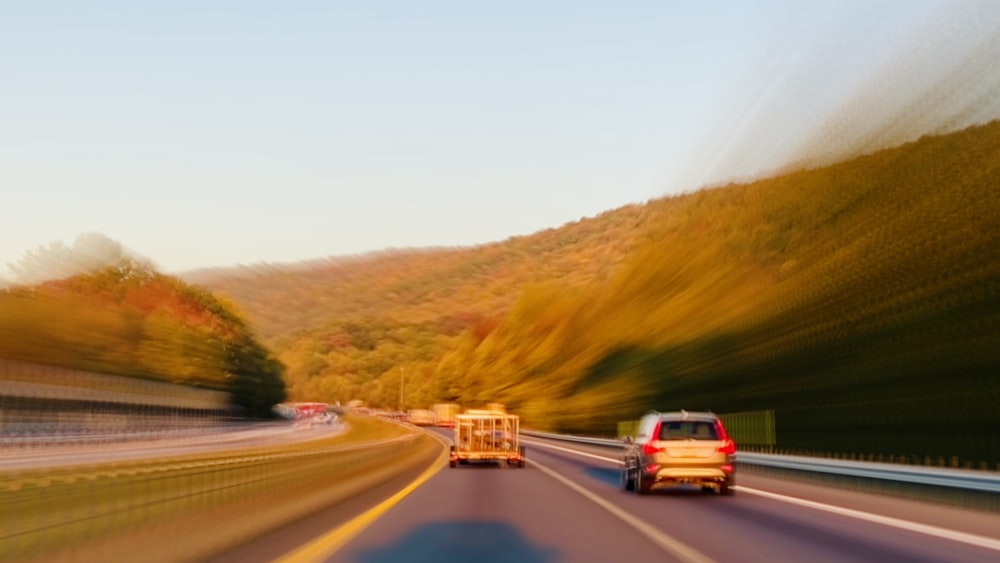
(752, 430)
(627, 428)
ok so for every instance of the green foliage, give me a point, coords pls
(255, 378)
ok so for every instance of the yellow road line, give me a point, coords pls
(323, 547)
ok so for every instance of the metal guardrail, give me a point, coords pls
(984, 481)
(933, 476)
(609, 442)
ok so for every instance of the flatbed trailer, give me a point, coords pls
(487, 436)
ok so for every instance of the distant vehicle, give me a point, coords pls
(308, 415)
(676, 448)
(485, 435)
(422, 417)
(298, 411)
(445, 414)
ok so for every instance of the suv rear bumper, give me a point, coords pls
(694, 476)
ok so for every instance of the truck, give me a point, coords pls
(445, 414)
(487, 436)
(422, 417)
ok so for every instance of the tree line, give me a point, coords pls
(116, 314)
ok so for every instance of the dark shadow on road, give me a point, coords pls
(607, 475)
(489, 464)
(682, 491)
(482, 541)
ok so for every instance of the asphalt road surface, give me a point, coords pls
(567, 506)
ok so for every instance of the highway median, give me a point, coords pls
(189, 507)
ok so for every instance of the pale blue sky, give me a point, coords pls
(209, 133)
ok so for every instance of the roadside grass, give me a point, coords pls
(93, 512)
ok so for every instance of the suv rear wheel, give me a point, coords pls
(627, 482)
(726, 488)
(642, 486)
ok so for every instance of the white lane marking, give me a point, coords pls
(961, 537)
(668, 543)
(584, 454)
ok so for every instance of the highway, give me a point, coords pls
(566, 506)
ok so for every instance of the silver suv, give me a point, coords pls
(674, 448)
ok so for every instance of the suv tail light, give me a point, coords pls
(649, 449)
(720, 429)
(727, 447)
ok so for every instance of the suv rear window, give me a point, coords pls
(687, 430)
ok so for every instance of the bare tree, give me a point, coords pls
(90, 252)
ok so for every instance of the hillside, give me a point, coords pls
(853, 299)
(345, 327)
(417, 285)
(858, 301)
(125, 318)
